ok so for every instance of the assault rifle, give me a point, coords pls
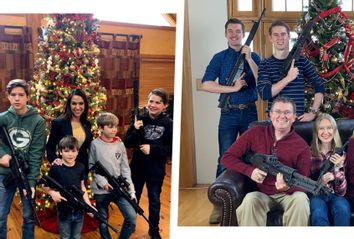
(296, 50)
(135, 99)
(120, 188)
(328, 165)
(74, 198)
(271, 165)
(136, 110)
(18, 175)
(238, 67)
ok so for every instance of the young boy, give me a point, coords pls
(27, 132)
(69, 174)
(111, 153)
(152, 145)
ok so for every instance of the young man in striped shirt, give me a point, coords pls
(270, 83)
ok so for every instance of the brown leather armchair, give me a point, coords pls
(230, 187)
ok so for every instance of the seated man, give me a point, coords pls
(278, 138)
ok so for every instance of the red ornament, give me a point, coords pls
(325, 56)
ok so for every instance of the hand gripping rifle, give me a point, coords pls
(238, 67)
(296, 50)
(18, 175)
(271, 165)
(74, 197)
(328, 165)
(120, 188)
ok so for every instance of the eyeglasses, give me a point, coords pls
(285, 112)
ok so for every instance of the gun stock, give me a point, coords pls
(238, 67)
(18, 175)
(120, 188)
(74, 199)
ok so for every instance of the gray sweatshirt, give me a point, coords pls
(113, 157)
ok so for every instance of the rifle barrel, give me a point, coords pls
(20, 173)
(238, 67)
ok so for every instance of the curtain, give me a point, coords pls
(16, 58)
(119, 67)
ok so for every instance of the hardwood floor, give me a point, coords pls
(194, 207)
(14, 221)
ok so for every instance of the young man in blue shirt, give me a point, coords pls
(241, 110)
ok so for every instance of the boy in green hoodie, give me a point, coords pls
(26, 129)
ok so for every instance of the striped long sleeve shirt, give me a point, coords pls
(269, 73)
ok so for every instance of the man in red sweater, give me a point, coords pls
(278, 138)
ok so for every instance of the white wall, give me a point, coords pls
(206, 26)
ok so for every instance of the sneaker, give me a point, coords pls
(154, 234)
(215, 216)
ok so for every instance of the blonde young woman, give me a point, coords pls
(333, 205)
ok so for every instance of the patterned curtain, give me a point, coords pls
(16, 58)
(120, 63)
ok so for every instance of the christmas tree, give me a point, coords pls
(67, 58)
(331, 51)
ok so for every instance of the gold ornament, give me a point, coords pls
(334, 60)
(324, 71)
(342, 82)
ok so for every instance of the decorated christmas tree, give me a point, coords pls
(331, 51)
(67, 58)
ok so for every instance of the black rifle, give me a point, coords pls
(328, 165)
(296, 50)
(74, 197)
(135, 99)
(238, 67)
(18, 175)
(271, 165)
(120, 188)
(136, 110)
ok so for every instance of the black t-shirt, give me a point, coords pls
(67, 177)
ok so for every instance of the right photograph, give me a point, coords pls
(267, 126)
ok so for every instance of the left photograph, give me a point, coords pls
(86, 119)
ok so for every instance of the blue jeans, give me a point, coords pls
(154, 187)
(129, 214)
(6, 198)
(70, 224)
(231, 124)
(332, 206)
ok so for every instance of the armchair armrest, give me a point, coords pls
(227, 192)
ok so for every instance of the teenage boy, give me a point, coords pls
(270, 83)
(27, 132)
(110, 151)
(69, 174)
(243, 94)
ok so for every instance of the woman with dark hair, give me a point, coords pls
(72, 122)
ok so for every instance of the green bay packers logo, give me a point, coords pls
(20, 137)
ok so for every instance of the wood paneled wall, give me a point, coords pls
(157, 48)
(155, 72)
(187, 172)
